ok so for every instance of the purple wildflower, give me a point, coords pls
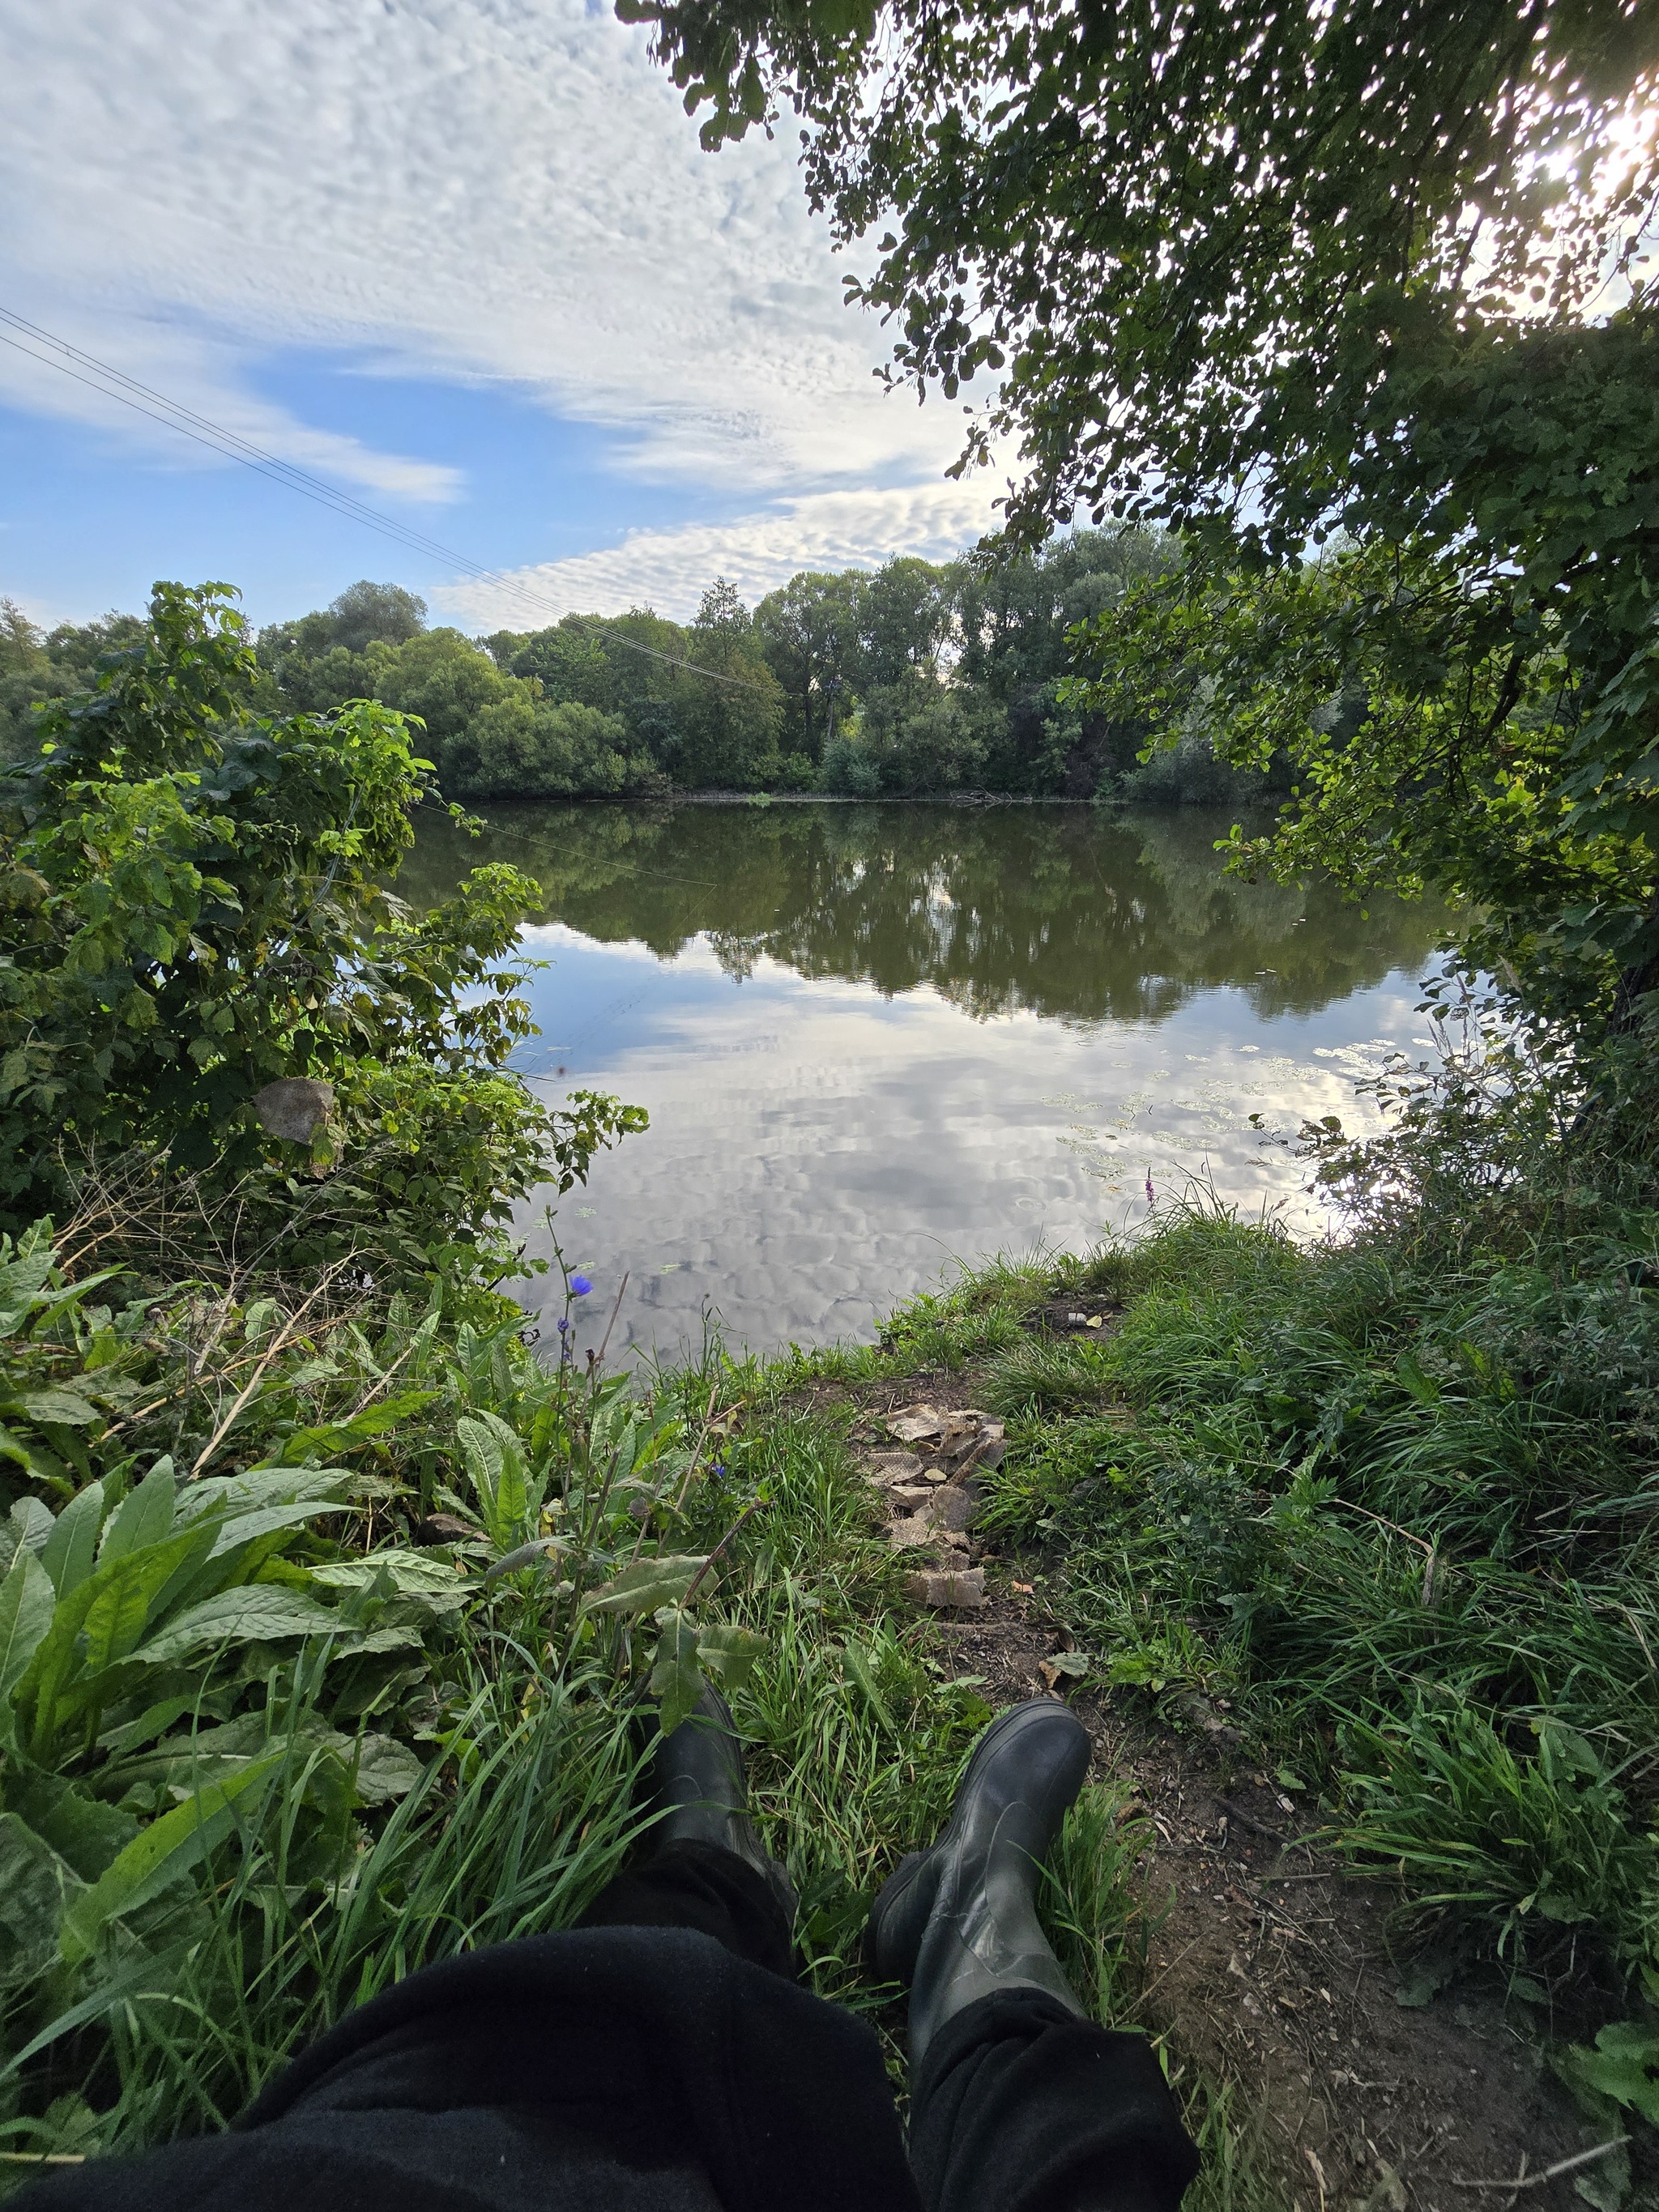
(1150, 1199)
(580, 1286)
(563, 1324)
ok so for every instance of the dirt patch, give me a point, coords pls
(1266, 1963)
(1078, 1314)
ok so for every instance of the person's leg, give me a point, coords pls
(1018, 2102)
(1017, 2106)
(705, 1886)
(661, 2058)
(710, 1870)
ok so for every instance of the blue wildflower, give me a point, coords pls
(580, 1286)
(563, 1324)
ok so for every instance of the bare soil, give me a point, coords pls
(1268, 1965)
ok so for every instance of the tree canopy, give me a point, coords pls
(1191, 239)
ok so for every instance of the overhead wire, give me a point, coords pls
(187, 423)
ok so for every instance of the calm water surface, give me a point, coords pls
(875, 1040)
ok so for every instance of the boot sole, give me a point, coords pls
(899, 1916)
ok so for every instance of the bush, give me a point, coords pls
(848, 771)
(1392, 1500)
(196, 905)
(522, 748)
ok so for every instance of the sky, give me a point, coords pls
(463, 260)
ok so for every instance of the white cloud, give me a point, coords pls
(668, 569)
(491, 188)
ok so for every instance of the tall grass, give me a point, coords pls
(1396, 1505)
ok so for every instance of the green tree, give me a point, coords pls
(1468, 685)
(1188, 239)
(36, 665)
(811, 633)
(523, 747)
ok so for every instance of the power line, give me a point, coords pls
(117, 386)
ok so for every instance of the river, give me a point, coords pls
(875, 1040)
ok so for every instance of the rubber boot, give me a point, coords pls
(702, 1788)
(959, 1922)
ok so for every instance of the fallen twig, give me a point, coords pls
(1525, 2180)
(1257, 1827)
(284, 1336)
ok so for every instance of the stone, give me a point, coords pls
(909, 1497)
(960, 1588)
(914, 1423)
(912, 1534)
(294, 1107)
(953, 1506)
(890, 1466)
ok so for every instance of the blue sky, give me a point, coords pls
(462, 259)
(90, 517)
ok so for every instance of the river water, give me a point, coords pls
(876, 1040)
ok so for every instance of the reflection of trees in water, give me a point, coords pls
(1064, 912)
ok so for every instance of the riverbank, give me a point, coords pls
(966, 799)
(408, 1721)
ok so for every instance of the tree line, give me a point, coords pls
(916, 678)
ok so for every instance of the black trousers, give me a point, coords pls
(662, 2057)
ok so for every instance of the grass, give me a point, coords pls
(1399, 1518)
(509, 1718)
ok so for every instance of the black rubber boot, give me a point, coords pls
(959, 1921)
(701, 1786)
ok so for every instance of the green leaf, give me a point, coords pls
(728, 1653)
(676, 1677)
(857, 1663)
(645, 1585)
(61, 1657)
(413, 1574)
(262, 1613)
(33, 1522)
(70, 1552)
(245, 1528)
(495, 1460)
(385, 1769)
(27, 1601)
(37, 1886)
(144, 1516)
(1422, 1981)
(155, 1719)
(84, 1832)
(165, 1851)
(225, 1495)
(372, 1421)
(1624, 2065)
(56, 1404)
(128, 1587)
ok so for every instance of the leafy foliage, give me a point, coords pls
(196, 904)
(1275, 275)
(917, 677)
(1466, 687)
